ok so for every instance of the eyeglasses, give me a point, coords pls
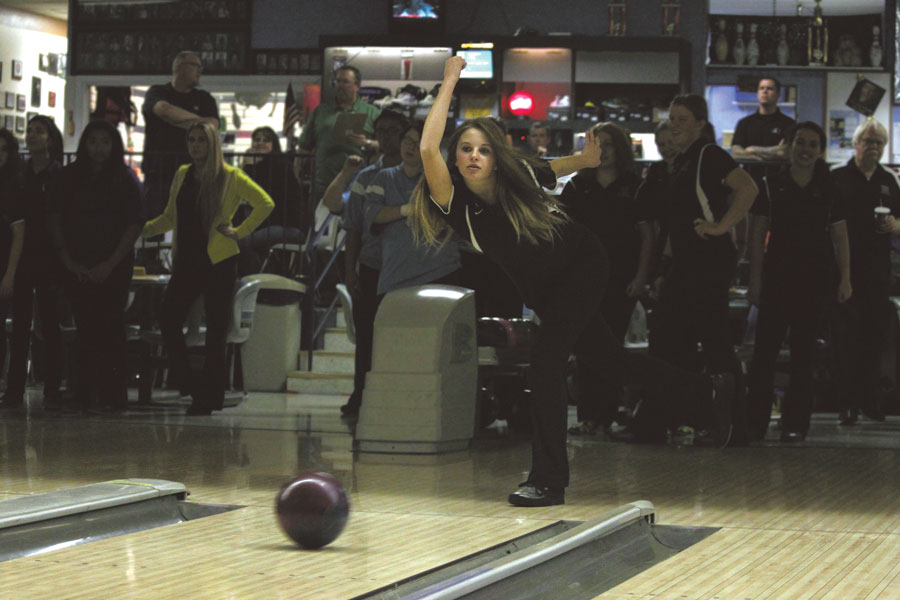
(873, 142)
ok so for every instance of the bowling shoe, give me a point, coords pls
(529, 494)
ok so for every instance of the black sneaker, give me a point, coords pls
(529, 494)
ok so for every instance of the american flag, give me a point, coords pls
(291, 111)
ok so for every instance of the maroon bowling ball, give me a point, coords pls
(312, 509)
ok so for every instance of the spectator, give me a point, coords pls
(861, 324)
(792, 284)
(362, 253)
(169, 109)
(709, 194)
(204, 198)
(275, 174)
(332, 147)
(762, 135)
(12, 226)
(403, 262)
(603, 200)
(538, 139)
(39, 275)
(95, 218)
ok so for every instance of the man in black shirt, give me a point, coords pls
(169, 110)
(761, 136)
(861, 323)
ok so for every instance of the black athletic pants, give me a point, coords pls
(799, 306)
(40, 279)
(216, 284)
(859, 334)
(616, 308)
(365, 304)
(102, 351)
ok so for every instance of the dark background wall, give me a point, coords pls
(299, 23)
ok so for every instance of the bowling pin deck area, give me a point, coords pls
(821, 520)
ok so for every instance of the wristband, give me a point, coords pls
(406, 209)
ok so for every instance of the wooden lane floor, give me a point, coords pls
(797, 522)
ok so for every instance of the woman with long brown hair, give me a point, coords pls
(492, 196)
(204, 197)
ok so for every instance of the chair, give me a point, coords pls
(293, 254)
(243, 306)
(240, 324)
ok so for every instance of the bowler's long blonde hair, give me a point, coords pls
(211, 175)
(534, 215)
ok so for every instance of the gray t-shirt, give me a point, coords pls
(353, 216)
(403, 262)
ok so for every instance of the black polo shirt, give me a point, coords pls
(161, 138)
(653, 189)
(870, 260)
(800, 220)
(535, 269)
(612, 213)
(714, 165)
(762, 130)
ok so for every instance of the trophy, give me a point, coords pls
(671, 14)
(617, 17)
(817, 38)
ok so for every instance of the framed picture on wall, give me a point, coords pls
(9, 122)
(20, 124)
(20, 102)
(10, 100)
(42, 62)
(17, 69)
(36, 92)
(51, 99)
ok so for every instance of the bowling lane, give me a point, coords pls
(243, 554)
(409, 514)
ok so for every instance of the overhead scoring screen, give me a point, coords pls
(479, 64)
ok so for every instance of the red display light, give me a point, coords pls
(521, 104)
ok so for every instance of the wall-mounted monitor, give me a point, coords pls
(479, 63)
(416, 16)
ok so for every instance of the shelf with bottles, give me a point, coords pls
(851, 42)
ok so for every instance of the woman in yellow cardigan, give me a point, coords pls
(202, 201)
